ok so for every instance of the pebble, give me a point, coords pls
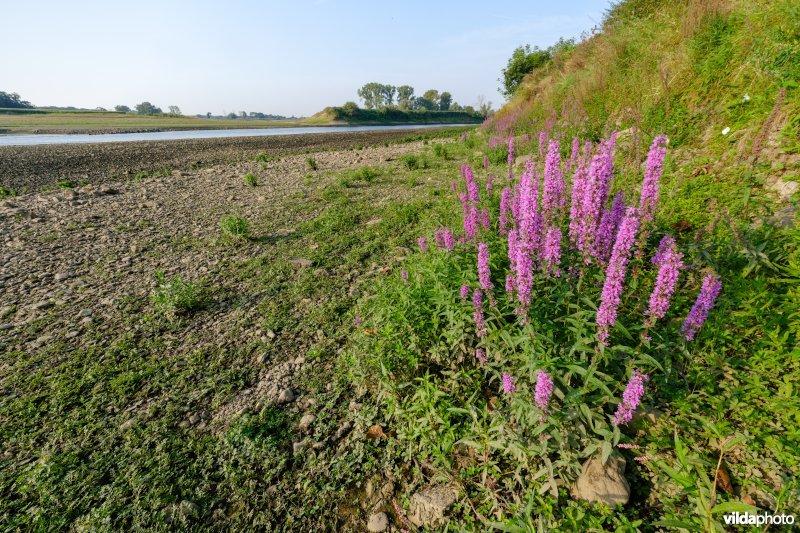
(286, 396)
(306, 422)
(378, 522)
(61, 276)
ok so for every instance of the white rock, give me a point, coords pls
(306, 422)
(603, 483)
(428, 506)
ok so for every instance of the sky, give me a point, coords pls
(290, 57)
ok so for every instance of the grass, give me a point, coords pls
(175, 296)
(311, 163)
(251, 179)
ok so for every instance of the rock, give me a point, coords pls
(301, 360)
(784, 218)
(262, 358)
(271, 334)
(286, 396)
(194, 419)
(785, 189)
(378, 522)
(301, 263)
(343, 429)
(300, 447)
(61, 276)
(306, 422)
(86, 312)
(603, 483)
(428, 506)
(40, 306)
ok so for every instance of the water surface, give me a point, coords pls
(80, 138)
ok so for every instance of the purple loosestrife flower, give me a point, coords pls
(664, 247)
(670, 266)
(515, 205)
(510, 151)
(464, 292)
(615, 275)
(453, 186)
(485, 222)
(423, 244)
(607, 230)
(577, 194)
(554, 186)
(485, 162)
(704, 303)
(508, 383)
(595, 195)
(477, 316)
(448, 240)
(542, 142)
(544, 390)
(655, 165)
(552, 251)
(509, 283)
(480, 355)
(631, 398)
(505, 206)
(483, 266)
(357, 321)
(404, 275)
(489, 180)
(573, 158)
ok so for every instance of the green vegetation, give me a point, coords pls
(251, 179)
(5, 192)
(175, 296)
(13, 101)
(235, 227)
(311, 163)
(355, 115)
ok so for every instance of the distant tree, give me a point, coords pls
(432, 95)
(405, 96)
(146, 108)
(232, 115)
(13, 100)
(522, 61)
(445, 101)
(100, 109)
(122, 109)
(243, 114)
(372, 95)
(484, 106)
(175, 110)
(469, 109)
(387, 94)
(208, 115)
(350, 108)
(420, 102)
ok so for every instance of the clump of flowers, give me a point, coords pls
(631, 398)
(544, 390)
(508, 383)
(464, 292)
(423, 244)
(669, 262)
(615, 276)
(480, 355)
(483, 266)
(704, 303)
(477, 315)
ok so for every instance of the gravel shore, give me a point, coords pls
(30, 168)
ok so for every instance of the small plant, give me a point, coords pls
(251, 180)
(264, 158)
(235, 227)
(440, 150)
(311, 163)
(308, 179)
(5, 192)
(66, 184)
(413, 162)
(367, 174)
(175, 296)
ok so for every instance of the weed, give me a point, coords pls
(175, 296)
(6, 192)
(66, 184)
(235, 227)
(251, 180)
(264, 158)
(440, 150)
(311, 163)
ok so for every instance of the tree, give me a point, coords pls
(13, 100)
(350, 108)
(420, 102)
(208, 115)
(484, 106)
(522, 61)
(146, 108)
(432, 95)
(243, 114)
(122, 109)
(405, 96)
(372, 94)
(445, 101)
(232, 115)
(175, 110)
(387, 94)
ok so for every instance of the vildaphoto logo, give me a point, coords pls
(750, 519)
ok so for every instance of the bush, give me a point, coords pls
(235, 227)
(440, 150)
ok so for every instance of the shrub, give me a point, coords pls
(311, 163)
(440, 150)
(5, 192)
(235, 227)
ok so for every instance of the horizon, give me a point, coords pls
(210, 58)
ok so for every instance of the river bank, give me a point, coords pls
(29, 168)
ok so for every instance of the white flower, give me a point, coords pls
(746, 97)
(726, 131)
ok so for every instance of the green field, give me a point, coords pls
(46, 121)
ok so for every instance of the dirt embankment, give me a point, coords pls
(34, 167)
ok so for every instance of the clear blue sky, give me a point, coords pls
(282, 57)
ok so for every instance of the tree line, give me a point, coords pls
(376, 95)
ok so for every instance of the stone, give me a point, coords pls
(429, 506)
(286, 396)
(61, 276)
(40, 306)
(604, 483)
(271, 334)
(300, 360)
(194, 419)
(306, 422)
(784, 218)
(343, 429)
(300, 447)
(785, 189)
(378, 522)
